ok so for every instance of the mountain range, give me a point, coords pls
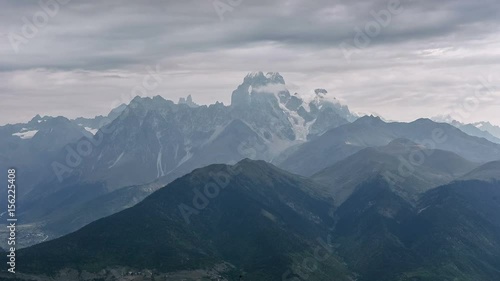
(479, 129)
(274, 185)
(256, 220)
(153, 141)
(368, 131)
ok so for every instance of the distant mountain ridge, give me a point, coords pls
(479, 129)
(368, 131)
(30, 146)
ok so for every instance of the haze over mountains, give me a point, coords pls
(153, 139)
(479, 129)
(380, 193)
(394, 163)
(369, 131)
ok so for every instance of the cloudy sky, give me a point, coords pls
(402, 60)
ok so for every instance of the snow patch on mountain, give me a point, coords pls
(159, 165)
(215, 134)
(24, 134)
(90, 130)
(299, 126)
(117, 160)
(184, 159)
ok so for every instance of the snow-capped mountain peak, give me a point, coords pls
(261, 95)
(260, 79)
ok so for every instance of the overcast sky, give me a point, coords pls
(418, 58)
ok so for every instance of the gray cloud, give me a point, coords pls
(91, 54)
